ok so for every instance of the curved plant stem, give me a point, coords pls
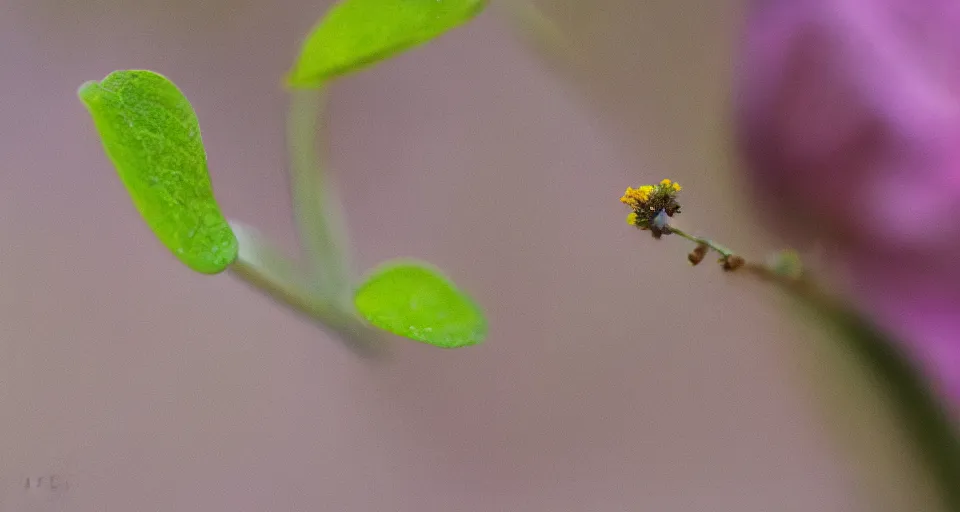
(264, 267)
(918, 407)
(933, 431)
(320, 290)
(316, 208)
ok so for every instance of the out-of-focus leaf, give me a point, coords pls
(415, 301)
(150, 132)
(357, 33)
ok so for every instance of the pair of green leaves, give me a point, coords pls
(151, 134)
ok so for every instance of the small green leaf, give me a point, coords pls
(151, 134)
(415, 301)
(357, 33)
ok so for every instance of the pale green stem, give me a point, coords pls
(723, 251)
(920, 410)
(263, 266)
(539, 30)
(316, 208)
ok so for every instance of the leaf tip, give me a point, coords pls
(87, 89)
(223, 256)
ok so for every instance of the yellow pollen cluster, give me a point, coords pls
(632, 219)
(634, 197)
(667, 184)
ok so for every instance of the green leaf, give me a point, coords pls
(416, 301)
(151, 133)
(358, 33)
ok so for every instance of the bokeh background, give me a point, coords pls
(615, 377)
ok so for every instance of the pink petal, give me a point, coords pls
(848, 118)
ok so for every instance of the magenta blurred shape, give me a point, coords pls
(849, 123)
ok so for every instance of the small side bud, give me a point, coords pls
(733, 262)
(698, 254)
(787, 264)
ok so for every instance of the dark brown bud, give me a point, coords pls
(698, 254)
(733, 262)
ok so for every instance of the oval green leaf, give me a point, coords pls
(415, 301)
(151, 134)
(357, 33)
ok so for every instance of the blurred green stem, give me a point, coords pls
(919, 409)
(539, 30)
(321, 289)
(263, 266)
(316, 208)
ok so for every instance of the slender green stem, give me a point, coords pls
(316, 208)
(934, 432)
(264, 267)
(921, 412)
(539, 30)
(723, 251)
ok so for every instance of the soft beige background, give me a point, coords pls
(615, 377)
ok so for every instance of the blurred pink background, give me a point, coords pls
(615, 376)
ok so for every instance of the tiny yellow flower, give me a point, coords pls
(671, 187)
(634, 197)
(653, 206)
